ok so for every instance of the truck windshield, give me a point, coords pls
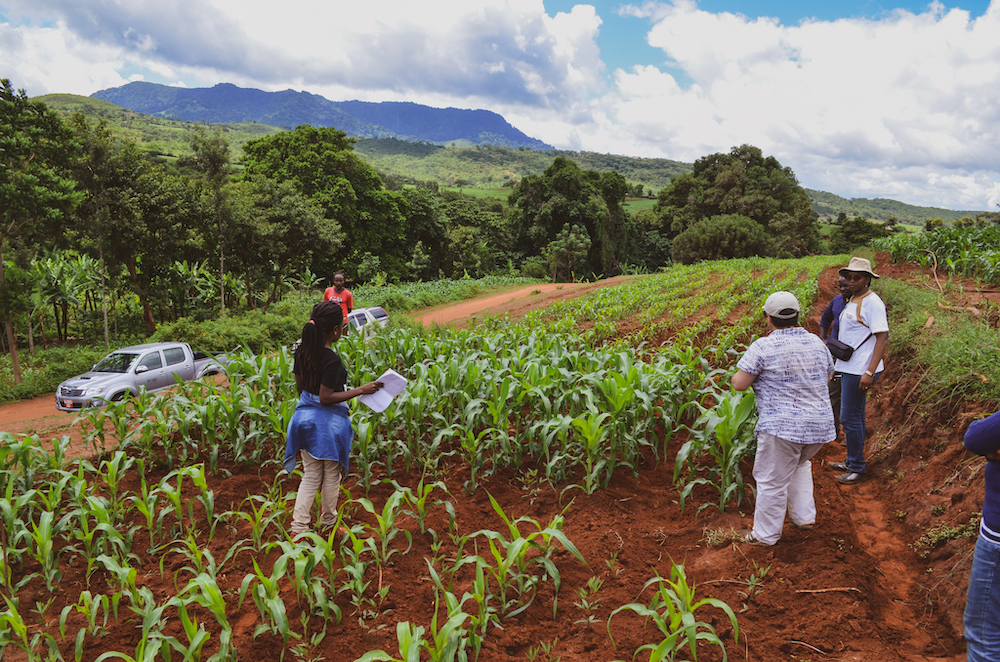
(117, 362)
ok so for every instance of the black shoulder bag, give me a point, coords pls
(841, 350)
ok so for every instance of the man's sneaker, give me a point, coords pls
(803, 527)
(839, 466)
(850, 478)
(751, 539)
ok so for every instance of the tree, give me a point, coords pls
(856, 232)
(564, 194)
(567, 250)
(470, 253)
(106, 172)
(36, 193)
(162, 225)
(722, 238)
(426, 227)
(275, 231)
(322, 165)
(746, 183)
(931, 224)
(211, 159)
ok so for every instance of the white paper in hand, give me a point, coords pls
(393, 384)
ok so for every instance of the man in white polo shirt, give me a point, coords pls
(788, 369)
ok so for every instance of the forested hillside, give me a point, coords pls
(488, 165)
(483, 166)
(829, 204)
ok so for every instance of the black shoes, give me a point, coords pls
(850, 478)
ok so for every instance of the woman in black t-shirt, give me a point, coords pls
(321, 427)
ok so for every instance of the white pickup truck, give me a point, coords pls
(153, 366)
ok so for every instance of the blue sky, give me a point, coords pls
(863, 99)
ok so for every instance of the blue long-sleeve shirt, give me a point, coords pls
(982, 438)
(830, 319)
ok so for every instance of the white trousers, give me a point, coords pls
(316, 475)
(784, 483)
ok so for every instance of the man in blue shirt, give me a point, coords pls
(982, 607)
(789, 370)
(829, 325)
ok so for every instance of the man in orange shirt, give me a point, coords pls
(340, 295)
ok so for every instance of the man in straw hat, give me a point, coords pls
(789, 370)
(864, 326)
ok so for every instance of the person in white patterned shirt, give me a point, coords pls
(788, 369)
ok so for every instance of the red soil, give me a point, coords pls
(854, 588)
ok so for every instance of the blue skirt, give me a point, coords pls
(323, 430)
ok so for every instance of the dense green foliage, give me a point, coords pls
(720, 238)
(159, 139)
(36, 193)
(43, 370)
(854, 233)
(747, 183)
(484, 165)
(548, 206)
(322, 165)
(964, 251)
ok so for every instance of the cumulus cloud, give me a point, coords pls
(905, 106)
(46, 60)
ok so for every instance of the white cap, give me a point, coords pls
(782, 305)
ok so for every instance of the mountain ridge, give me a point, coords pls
(228, 103)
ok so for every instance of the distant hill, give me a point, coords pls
(163, 139)
(227, 103)
(488, 166)
(880, 209)
(483, 166)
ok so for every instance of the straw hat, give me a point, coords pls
(860, 264)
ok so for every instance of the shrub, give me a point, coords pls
(535, 267)
(858, 231)
(258, 331)
(722, 237)
(42, 371)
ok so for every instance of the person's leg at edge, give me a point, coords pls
(801, 502)
(834, 387)
(333, 473)
(312, 479)
(982, 607)
(852, 417)
(773, 466)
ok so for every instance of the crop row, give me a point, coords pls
(542, 396)
(973, 252)
(57, 515)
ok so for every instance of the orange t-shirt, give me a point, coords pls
(344, 298)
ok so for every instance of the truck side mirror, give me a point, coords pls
(141, 369)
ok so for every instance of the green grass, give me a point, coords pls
(633, 205)
(480, 193)
(960, 353)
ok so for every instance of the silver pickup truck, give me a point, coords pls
(124, 371)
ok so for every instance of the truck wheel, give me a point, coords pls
(118, 397)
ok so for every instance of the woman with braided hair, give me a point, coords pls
(321, 427)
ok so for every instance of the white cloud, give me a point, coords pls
(51, 59)
(907, 106)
